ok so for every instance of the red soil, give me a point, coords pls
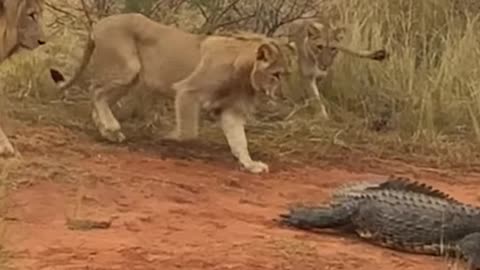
(171, 213)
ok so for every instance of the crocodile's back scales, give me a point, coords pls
(413, 222)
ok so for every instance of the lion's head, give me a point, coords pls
(21, 24)
(324, 42)
(268, 69)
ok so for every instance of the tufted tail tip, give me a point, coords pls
(380, 55)
(470, 248)
(56, 75)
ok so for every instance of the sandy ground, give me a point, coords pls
(169, 212)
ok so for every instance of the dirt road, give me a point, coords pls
(172, 213)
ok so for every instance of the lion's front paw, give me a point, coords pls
(176, 136)
(256, 167)
(173, 135)
(114, 136)
(7, 150)
(119, 137)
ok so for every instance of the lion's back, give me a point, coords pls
(165, 52)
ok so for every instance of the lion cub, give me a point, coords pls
(220, 74)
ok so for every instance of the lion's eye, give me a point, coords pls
(32, 15)
(320, 47)
(276, 75)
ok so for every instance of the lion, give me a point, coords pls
(219, 74)
(20, 28)
(317, 45)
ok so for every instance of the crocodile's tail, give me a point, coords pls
(470, 248)
(315, 217)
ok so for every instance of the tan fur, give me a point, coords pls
(220, 74)
(317, 46)
(20, 28)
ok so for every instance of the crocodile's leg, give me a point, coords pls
(470, 248)
(316, 217)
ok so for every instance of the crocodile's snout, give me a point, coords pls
(289, 220)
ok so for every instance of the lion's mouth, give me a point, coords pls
(25, 47)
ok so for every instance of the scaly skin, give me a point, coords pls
(400, 214)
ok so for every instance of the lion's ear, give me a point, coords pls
(265, 52)
(315, 29)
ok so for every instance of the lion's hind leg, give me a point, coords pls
(110, 84)
(102, 115)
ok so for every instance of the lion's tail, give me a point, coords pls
(378, 55)
(58, 77)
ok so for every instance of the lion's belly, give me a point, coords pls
(162, 77)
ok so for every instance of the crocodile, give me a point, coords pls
(397, 213)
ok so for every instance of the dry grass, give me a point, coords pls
(422, 104)
(423, 99)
